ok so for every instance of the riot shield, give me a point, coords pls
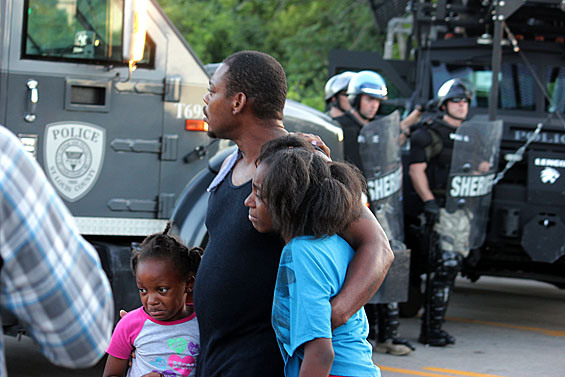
(379, 149)
(462, 224)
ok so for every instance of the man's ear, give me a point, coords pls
(239, 102)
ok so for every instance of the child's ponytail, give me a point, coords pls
(162, 245)
(167, 229)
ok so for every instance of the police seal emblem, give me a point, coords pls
(73, 155)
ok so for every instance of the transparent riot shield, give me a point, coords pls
(462, 224)
(380, 154)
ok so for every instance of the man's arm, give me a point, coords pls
(52, 279)
(406, 123)
(366, 271)
(484, 167)
(420, 181)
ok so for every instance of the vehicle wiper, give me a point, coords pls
(81, 18)
(35, 44)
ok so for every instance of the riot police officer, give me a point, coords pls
(365, 92)
(430, 158)
(335, 94)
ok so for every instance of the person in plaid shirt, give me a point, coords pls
(51, 278)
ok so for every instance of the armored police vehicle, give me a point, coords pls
(513, 53)
(119, 141)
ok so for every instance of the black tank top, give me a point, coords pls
(234, 288)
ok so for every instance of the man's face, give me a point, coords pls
(458, 107)
(218, 109)
(369, 106)
(343, 101)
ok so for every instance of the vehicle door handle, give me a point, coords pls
(34, 97)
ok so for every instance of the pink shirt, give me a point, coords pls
(170, 348)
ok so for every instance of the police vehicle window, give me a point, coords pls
(516, 84)
(556, 89)
(88, 31)
(442, 72)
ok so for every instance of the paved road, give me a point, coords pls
(504, 328)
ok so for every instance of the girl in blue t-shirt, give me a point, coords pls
(308, 200)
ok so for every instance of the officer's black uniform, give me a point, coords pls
(436, 150)
(433, 143)
(351, 128)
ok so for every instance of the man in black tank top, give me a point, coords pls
(235, 282)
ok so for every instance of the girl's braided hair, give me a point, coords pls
(165, 246)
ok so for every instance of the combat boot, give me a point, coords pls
(388, 346)
(435, 338)
(433, 318)
(387, 340)
(431, 332)
(442, 281)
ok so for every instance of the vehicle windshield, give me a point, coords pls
(75, 30)
(517, 85)
(556, 89)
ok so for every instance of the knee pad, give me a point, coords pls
(448, 266)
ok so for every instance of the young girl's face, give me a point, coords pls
(162, 290)
(258, 213)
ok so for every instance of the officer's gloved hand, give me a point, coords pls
(431, 211)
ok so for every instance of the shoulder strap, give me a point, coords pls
(435, 147)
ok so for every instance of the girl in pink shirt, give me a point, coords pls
(164, 331)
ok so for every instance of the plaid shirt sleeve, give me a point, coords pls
(51, 278)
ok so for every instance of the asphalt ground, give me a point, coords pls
(503, 327)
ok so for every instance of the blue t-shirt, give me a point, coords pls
(312, 271)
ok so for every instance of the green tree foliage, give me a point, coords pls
(299, 33)
(53, 25)
(42, 16)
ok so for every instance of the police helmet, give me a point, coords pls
(366, 82)
(454, 88)
(337, 84)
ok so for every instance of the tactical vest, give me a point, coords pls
(438, 154)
